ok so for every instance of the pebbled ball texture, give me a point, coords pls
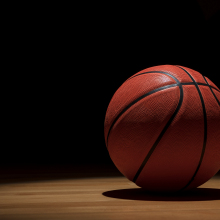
(162, 128)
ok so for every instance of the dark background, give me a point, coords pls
(65, 63)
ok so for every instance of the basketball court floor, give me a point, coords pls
(97, 193)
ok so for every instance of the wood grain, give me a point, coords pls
(103, 197)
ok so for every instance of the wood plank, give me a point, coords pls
(104, 198)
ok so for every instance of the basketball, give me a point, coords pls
(162, 128)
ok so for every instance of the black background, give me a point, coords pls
(65, 63)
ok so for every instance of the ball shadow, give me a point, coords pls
(198, 194)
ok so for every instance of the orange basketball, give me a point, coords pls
(162, 128)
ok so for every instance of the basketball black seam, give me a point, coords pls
(161, 135)
(166, 126)
(205, 129)
(138, 99)
(155, 71)
(201, 84)
(168, 74)
(187, 83)
(135, 101)
(212, 91)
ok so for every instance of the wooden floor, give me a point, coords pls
(101, 197)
